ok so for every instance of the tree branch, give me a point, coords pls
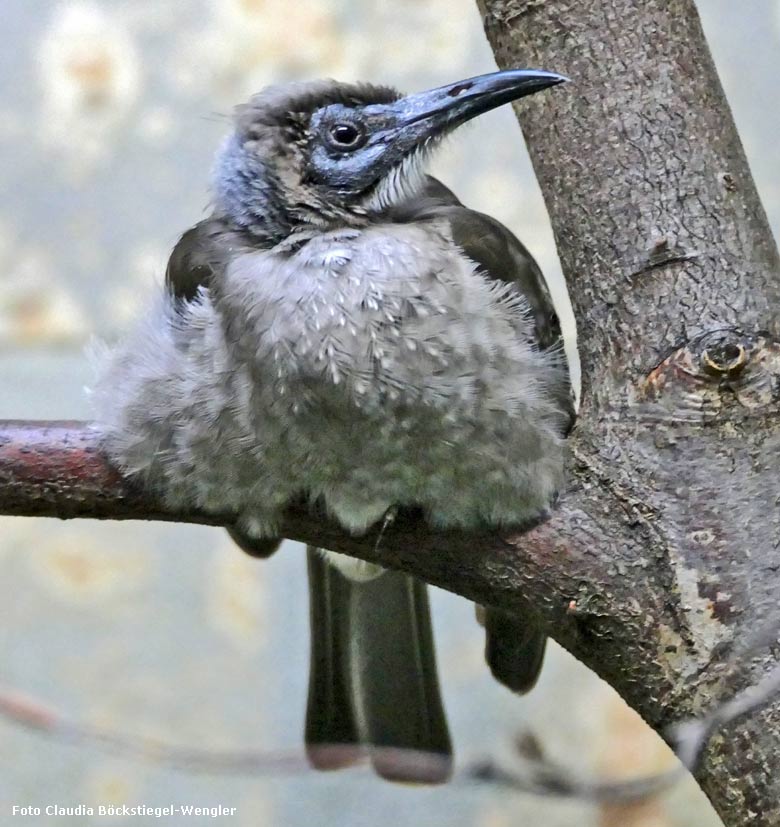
(665, 551)
(55, 469)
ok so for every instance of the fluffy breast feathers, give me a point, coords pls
(365, 368)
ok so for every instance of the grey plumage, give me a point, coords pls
(423, 374)
(343, 329)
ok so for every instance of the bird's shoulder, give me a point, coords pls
(500, 256)
(496, 251)
(201, 255)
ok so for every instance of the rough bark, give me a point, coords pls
(664, 552)
(674, 277)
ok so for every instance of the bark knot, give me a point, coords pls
(723, 374)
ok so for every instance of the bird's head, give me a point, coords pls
(333, 154)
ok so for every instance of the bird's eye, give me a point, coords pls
(346, 135)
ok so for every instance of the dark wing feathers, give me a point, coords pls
(200, 253)
(500, 256)
(514, 643)
(497, 252)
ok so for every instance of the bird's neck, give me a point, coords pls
(254, 199)
(248, 194)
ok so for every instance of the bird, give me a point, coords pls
(342, 331)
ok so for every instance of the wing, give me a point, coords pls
(500, 256)
(198, 258)
(199, 255)
(514, 643)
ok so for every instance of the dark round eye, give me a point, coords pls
(346, 135)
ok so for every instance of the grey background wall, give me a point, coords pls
(109, 115)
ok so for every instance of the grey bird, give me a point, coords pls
(342, 329)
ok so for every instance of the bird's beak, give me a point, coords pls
(429, 114)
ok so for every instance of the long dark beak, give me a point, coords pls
(425, 115)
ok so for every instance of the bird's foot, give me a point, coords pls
(387, 520)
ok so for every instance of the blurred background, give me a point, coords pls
(110, 113)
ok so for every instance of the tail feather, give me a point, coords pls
(394, 678)
(373, 682)
(332, 740)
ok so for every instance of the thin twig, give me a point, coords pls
(534, 775)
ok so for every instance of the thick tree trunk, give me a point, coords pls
(675, 281)
(664, 552)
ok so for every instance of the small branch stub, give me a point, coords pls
(724, 357)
